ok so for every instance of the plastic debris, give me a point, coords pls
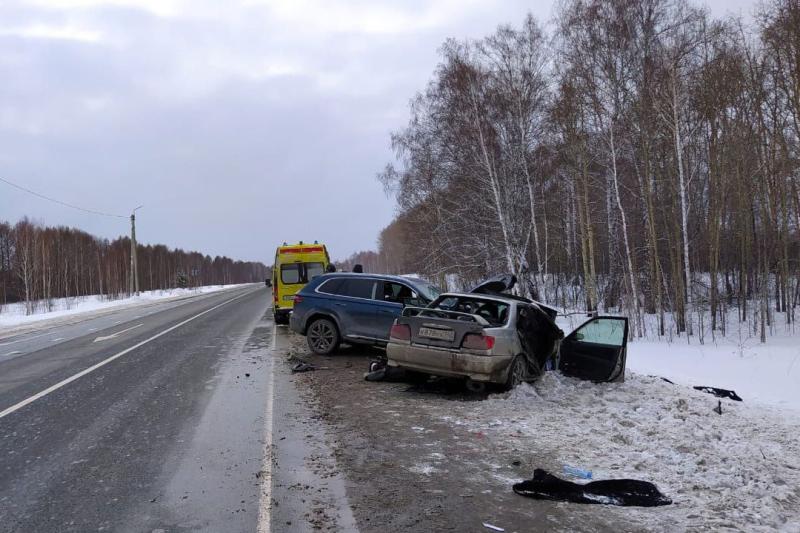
(577, 472)
(492, 527)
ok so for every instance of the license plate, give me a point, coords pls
(440, 334)
(289, 297)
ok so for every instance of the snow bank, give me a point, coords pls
(14, 314)
(736, 471)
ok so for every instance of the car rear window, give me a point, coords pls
(495, 313)
(294, 273)
(290, 274)
(313, 270)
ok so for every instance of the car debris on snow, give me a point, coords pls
(719, 393)
(302, 366)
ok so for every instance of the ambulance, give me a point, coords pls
(295, 265)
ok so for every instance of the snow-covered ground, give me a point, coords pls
(738, 471)
(14, 314)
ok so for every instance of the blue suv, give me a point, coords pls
(354, 308)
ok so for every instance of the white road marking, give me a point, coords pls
(57, 339)
(117, 334)
(11, 353)
(92, 329)
(52, 388)
(265, 501)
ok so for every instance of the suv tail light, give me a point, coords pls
(477, 341)
(297, 299)
(400, 332)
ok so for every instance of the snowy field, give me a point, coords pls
(14, 314)
(738, 471)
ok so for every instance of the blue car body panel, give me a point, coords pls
(366, 320)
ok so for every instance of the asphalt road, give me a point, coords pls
(141, 420)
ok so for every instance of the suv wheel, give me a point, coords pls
(322, 336)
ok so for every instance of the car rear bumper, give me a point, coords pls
(488, 368)
(296, 323)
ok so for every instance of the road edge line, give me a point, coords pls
(104, 362)
(264, 523)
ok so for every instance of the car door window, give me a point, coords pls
(396, 292)
(596, 351)
(359, 288)
(607, 331)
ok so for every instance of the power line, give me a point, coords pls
(92, 211)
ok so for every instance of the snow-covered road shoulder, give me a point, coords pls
(13, 317)
(736, 471)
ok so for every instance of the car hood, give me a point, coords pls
(496, 284)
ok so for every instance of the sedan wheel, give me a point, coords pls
(516, 373)
(322, 336)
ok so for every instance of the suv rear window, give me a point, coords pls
(331, 286)
(358, 288)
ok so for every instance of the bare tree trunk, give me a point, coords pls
(631, 272)
(684, 204)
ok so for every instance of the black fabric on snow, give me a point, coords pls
(625, 492)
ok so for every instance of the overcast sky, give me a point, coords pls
(238, 124)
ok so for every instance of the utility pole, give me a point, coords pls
(134, 280)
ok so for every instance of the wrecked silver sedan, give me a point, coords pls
(490, 337)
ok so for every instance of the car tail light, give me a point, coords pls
(297, 299)
(400, 332)
(477, 341)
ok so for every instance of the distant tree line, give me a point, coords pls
(644, 157)
(39, 263)
(369, 260)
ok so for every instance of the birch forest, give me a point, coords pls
(40, 263)
(638, 157)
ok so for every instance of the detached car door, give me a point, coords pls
(597, 350)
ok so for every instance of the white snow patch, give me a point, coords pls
(739, 470)
(424, 469)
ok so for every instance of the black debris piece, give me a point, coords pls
(386, 373)
(302, 366)
(719, 393)
(624, 492)
(718, 408)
